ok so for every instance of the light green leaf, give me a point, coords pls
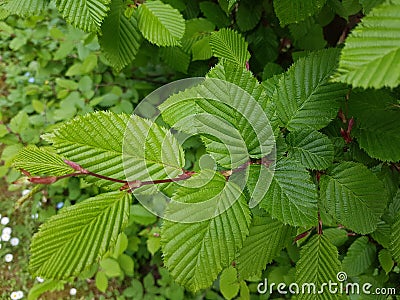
(293, 11)
(371, 56)
(161, 24)
(359, 257)
(230, 45)
(110, 267)
(120, 245)
(395, 239)
(291, 197)
(127, 264)
(95, 141)
(304, 96)
(101, 281)
(84, 14)
(318, 264)
(120, 39)
(313, 149)
(142, 216)
(195, 253)
(201, 49)
(48, 285)
(386, 261)
(228, 283)
(25, 7)
(40, 161)
(153, 244)
(354, 196)
(267, 237)
(88, 229)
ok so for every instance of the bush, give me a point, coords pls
(292, 180)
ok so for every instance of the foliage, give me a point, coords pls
(296, 199)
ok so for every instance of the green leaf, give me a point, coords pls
(230, 45)
(120, 39)
(25, 7)
(354, 196)
(195, 253)
(142, 216)
(395, 239)
(95, 141)
(110, 267)
(201, 49)
(127, 264)
(313, 149)
(84, 14)
(371, 56)
(386, 261)
(337, 236)
(293, 11)
(214, 13)
(291, 197)
(78, 235)
(248, 15)
(304, 96)
(101, 281)
(161, 24)
(227, 116)
(318, 264)
(176, 58)
(267, 237)
(120, 245)
(228, 283)
(153, 244)
(40, 161)
(360, 255)
(40, 288)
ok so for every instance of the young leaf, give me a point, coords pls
(293, 11)
(84, 14)
(48, 285)
(230, 45)
(25, 7)
(359, 257)
(120, 39)
(195, 253)
(101, 281)
(304, 96)
(78, 236)
(228, 283)
(386, 261)
(371, 56)
(161, 24)
(354, 196)
(267, 237)
(291, 197)
(313, 149)
(39, 161)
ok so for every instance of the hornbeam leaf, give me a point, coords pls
(359, 257)
(318, 265)
(395, 239)
(161, 24)
(354, 196)
(195, 253)
(78, 236)
(25, 7)
(371, 55)
(291, 197)
(40, 161)
(120, 38)
(84, 14)
(230, 45)
(294, 11)
(313, 149)
(267, 237)
(117, 146)
(304, 96)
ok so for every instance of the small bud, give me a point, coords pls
(75, 166)
(43, 180)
